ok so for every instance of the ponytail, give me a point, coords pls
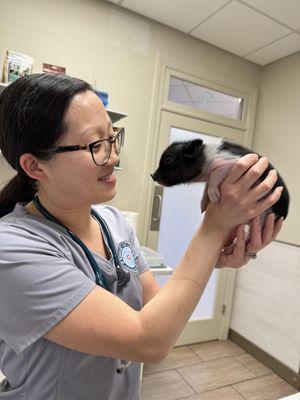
(19, 189)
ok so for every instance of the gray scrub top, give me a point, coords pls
(44, 275)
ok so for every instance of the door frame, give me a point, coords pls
(164, 68)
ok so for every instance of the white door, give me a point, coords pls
(175, 217)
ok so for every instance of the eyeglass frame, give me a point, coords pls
(111, 140)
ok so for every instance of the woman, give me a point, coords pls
(68, 329)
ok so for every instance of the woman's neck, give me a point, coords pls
(78, 220)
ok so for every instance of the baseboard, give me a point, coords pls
(277, 366)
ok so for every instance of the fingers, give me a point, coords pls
(266, 185)
(262, 237)
(267, 233)
(254, 173)
(254, 243)
(277, 227)
(231, 236)
(240, 167)
(233, 256)
(239, 249)
(269, 201)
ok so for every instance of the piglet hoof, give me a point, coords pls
(203, 205)
(214, 194)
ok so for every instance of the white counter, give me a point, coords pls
(161, 271)
(292, 397)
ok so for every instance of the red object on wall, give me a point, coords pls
(54, 69)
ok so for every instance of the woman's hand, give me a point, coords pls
(242, 199)
(235, 254)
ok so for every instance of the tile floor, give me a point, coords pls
(217, 370)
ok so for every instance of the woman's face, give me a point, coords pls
(74, 176)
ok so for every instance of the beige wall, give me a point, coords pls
(277, 131)
(266, 305)
(116, 49)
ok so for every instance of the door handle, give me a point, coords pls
(157, 196)
(156, 208)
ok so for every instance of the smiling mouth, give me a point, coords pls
(106, 177)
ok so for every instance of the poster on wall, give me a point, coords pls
(16, 65)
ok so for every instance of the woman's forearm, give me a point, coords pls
(166, 314)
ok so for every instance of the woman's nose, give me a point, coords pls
(114, 158)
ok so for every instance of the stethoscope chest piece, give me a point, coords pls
(123, 366)
(123, 277)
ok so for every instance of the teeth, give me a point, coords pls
(105, 178)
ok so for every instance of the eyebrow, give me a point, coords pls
(96, 127)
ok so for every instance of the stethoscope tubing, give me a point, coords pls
(123, 276)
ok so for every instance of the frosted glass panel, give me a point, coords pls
(180, 218)
(205, 99)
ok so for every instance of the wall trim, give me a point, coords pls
(164, 65)
(288, 243)
(277, 366)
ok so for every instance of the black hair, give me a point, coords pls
(32, 111)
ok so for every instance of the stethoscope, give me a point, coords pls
(122, 275)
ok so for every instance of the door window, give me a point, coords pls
(205, 99)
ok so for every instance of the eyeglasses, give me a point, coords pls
(100, 149)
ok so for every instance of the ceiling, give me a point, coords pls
(260, 31)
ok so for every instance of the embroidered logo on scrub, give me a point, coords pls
(126, 256)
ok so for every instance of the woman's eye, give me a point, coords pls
(97, 147)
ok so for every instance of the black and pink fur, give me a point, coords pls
(196, 161)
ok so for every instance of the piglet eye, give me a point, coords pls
(168, 160)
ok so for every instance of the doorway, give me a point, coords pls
(177, 215)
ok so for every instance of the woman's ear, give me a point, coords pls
(32, 167)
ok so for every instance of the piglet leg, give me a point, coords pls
(205, 199)
(215, 179)
(219, 170)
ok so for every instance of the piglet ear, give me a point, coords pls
(191, 148)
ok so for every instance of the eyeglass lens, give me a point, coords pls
(102, 150)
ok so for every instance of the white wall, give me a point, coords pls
(266, 305)
(277, 131)
(116, 49)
